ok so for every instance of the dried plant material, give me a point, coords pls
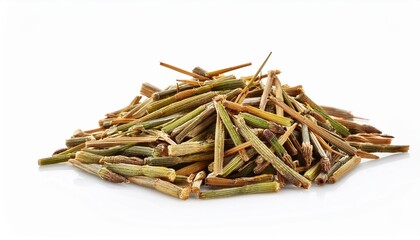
(262, 123)
(324, 163)
(260, 113)
(194, 75)
(263, 150)
(130, 170)
(368, 147)
(278, 148)
(200, 71)
(355, 127)
(337, 112)
(267, 89)
(219, 146)
(162, 186)
(248, 189)
(349, 165)
(184, 181)
(110, 176)
(238, 182)
(198, 180)
(306, 146)
(237, 148)
(193, 168)
(121, 159)
(313, 172)
(89, 168)
(58, 158)
(86, 157)
(374, 139)
(147, 89)
(225, 70)
(278, 92)
(109, 142)
(240, 135)
(236, 163)
(245, 90)
(169, 161)
(190, 148)
(234, 135)
(337, 126)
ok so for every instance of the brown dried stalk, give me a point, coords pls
(194, 75)
(162, 186)
(147, 89)
(224, 70)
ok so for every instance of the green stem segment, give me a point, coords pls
(130, 170)
(58, 158)
(262, 123)
(316, 129)
(278, 148)
(291, 175)
(234, 135)
(266, 187)
(336, 125)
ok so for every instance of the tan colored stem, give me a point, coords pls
(347, 167)
(162, 186)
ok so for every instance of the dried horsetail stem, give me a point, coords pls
(349, 165)
(266, 187)
(337, 126)
(190, 148)
(325, 163)
(262, 123)
(210, 109)
(316, 129)
(340, 113)
(200, 71)
(368, 147)
(267, 90)
(182, 180)
(216, 86)
(99, 171)
(110, 176)
(171, 126)
(193, 168)
(225, 70)
(198, 180)
(238, 182)
(306, 146)
(263, 150)
(258, 112)
(161, 186)
(224, 117)
(281, 152)
(357, 127)
(122, 159)
(130, 170)
(147, 89)
(169, 161)
(219, 145)
(183, 127)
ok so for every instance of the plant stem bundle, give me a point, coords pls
(216, 135)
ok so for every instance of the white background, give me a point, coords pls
(63, 64)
